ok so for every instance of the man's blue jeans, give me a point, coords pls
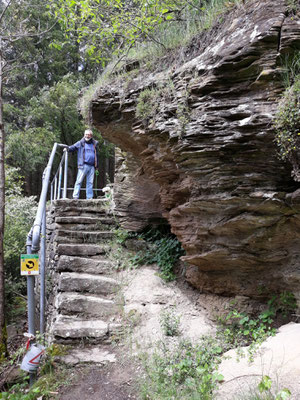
(87, 171)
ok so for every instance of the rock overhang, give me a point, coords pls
(215, 175)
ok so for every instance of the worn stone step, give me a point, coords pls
(65, 236)
(83, 227)
(74, 328)
(79, 207)
(76, 282)
(81, 249)
(86, 304)
(85, 220)
(89, 355)
(70, 329)
(81, 264)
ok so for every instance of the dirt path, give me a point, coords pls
(111, 382)
(146, 297)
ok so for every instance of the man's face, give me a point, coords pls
(88, 135)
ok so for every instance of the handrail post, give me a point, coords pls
(30, 290)
(55, 188)
(66, 175)
(43, 275)
(30, 301)
(59, 180)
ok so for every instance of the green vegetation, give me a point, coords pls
(170, 323)
(183, 371)
(239, 329)
(164, 249)
(159, 247)
(287, 126)
(149, 100)
(147, 104)
(264, 391)
(135, 32)
(293, 6)
(52, 376)
(19, 216)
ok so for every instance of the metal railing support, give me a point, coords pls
(66, 175)
(43, 275)
(55, 187)
(30, 290)
(59, 181)
(30, 302)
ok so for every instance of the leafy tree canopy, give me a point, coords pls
(104, 27)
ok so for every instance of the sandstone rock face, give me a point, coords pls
(137, 198)
(209, 147)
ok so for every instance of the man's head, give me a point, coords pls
(88, 134)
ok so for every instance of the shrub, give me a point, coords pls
(170, 323)
(185, 371)
(287, 127)
(164, 250)
(19, 217)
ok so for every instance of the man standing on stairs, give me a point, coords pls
(87, 160)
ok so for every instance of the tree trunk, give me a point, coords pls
(3, 335)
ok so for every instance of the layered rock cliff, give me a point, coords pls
(204, 156)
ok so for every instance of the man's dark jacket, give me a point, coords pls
(79, 147)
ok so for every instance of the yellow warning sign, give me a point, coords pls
(29, 264)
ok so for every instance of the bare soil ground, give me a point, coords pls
(145, 296)
(115, 381)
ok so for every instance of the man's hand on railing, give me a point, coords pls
(65, 146)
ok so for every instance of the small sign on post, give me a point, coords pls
(29, 264)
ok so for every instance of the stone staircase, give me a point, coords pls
(84, 301)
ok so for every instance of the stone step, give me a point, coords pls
(73, 207)
(89, 355)
(76, 282)
(84, 227)
(65, 236)
(81, 249)
(69, 329)
(74, 328)
(88, 305)
(85, 220)
(81, 264)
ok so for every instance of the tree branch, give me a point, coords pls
(5, 9)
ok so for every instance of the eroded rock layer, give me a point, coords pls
(208, 144)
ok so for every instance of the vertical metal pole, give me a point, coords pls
(59, 180)
(66, 175)
(51, 195)
(55, 187)
(43, 275)
(31, 300)
(31, 305)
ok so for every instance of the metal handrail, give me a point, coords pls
(35, 240)
(56, 183)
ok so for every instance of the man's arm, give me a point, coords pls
(74, 147)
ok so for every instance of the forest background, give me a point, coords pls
(50, 53)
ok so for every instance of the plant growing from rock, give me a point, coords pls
(239, 329)
(147, 104)
(164, 249)
(287, 127)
